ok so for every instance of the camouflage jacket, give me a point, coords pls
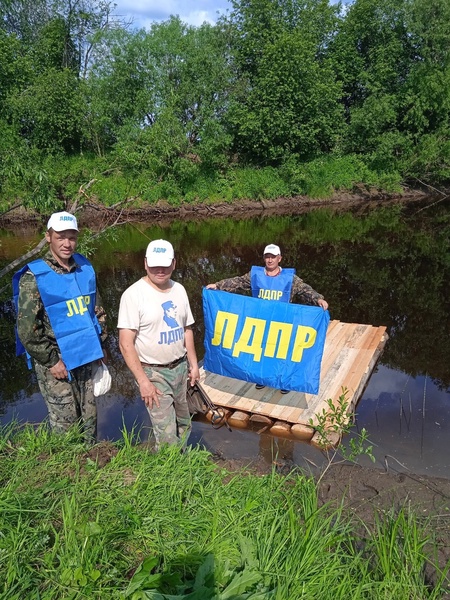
(33, 325)
(301, 292)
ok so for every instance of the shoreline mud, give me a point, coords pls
(95, 215)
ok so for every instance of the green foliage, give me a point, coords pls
(257, 183)
(336, 420)
(323, 176)
(242, 582)
(25, 175)
(170, 526)
(389, 556)
(48, 111)
(393, 60)
(114, 188)
(10, 58)
(431, 158)
(287, 99)
(336, 98)
(54, 48)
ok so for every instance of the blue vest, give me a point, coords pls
(272, 288)
(69, 300)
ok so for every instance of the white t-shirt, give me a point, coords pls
(159, 319)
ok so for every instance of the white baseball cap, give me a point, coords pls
(61, 221)
(272, 249)
(159, 254)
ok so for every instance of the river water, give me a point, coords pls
(380, 265)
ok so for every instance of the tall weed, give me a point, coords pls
(176, 526)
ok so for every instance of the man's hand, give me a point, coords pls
(149, 393)
(59, 370)
(323, 303)
(194, 376)
(211, 286)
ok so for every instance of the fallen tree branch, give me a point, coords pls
(81, 192)
(431, 187)
(444, 196)
(115, 223)
(23, 258)
(10, 209)
(126, 201)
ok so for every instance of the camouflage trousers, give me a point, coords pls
(171, 422)
(70, 402)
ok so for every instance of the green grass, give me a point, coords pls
(176, 526)
(45, 184)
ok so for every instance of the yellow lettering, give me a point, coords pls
(305, 338)
(278, 339)
(279, 294)
(72, 307)
(87, 300)
(224, 327)
(251, 338)
(81, 305)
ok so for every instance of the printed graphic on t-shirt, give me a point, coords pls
(176, 332)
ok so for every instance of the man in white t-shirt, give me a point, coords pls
(157, 343)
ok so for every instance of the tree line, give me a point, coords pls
(278, 97)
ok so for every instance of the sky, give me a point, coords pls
(145, 12)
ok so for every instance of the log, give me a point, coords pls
(238, 419)
(281, 428)
(332, 439)
(302, 432)
(225, 411)
(261, 419)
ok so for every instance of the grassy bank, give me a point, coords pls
(120, 522)
(86, 178)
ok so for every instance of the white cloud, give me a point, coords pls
(143, 13)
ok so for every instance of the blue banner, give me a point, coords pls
(271, 343)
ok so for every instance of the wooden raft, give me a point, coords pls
(350, 354)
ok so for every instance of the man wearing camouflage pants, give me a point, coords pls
(157, 342)
(271, 282)
(61, 326)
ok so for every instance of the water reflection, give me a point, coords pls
(388, 266)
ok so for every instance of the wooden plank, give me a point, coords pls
(348, 337)
(360, 371)
(338, 356)
(334, 345)
(291, 407)
(350, 354)
(359, 381)
(354, 367)
(264, 398)
(348, 357)
(286, 404)
(290, 401)
(225, 390)
(331, 386)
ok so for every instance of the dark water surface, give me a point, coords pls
(384, 266)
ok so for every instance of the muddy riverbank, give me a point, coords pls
(93, 214)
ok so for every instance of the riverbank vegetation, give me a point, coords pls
(276, 99)
(119, 521)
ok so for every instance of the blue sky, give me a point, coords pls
(145, 12)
